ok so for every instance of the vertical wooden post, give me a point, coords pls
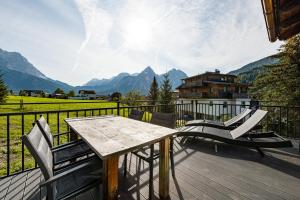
(110, 167)
(164, 168)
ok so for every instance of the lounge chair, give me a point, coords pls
(230, 124)
(65, 152)
(66, 182)
(241, 135)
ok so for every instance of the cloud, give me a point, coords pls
(102, 38)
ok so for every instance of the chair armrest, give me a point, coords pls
(67, 145)
(65, 173)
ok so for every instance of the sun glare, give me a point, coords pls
(138, 33)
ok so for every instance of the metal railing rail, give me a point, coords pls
(15, 158)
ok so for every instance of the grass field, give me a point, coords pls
(56, 122)
(43, 107)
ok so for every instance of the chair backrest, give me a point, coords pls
(249, 124)
(238, 117)
(163, 119)
(40, 150)
(136, 114)
(45, 129)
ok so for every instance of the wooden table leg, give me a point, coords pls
(110, 183)
(164, 168)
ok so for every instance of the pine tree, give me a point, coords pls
(281, 82)
(153, 92)
(166, 93)
(3, 90)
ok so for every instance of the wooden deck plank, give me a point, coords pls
(31, 190)
(16, 188)
(201, 173)
(4, 185)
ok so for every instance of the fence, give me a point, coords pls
(15, 158)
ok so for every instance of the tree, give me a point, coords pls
(281, 82)
(166, 96)
(153, 92)
(59, 91)
(116, 96)
(22, 93)
(3, 90)
(71, 93)
(132, 98)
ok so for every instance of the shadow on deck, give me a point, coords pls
(200, 173)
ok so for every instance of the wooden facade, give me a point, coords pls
(212, 85)
(282, 18)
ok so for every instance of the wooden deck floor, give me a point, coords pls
(201, 173)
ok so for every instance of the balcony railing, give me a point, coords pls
(15, 158)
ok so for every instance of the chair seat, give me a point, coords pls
(82, 180)
(71, 152)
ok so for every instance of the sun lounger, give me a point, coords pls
(230, 124)
(241, 135)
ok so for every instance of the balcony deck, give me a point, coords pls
(201, 173)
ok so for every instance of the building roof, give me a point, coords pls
(209, 73)
(87, 91)
(282, 18)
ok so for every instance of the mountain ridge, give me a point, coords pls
(125, 82)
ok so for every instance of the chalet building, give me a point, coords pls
(213, 88)
(212, 85)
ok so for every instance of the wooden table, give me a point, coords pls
(112, 136)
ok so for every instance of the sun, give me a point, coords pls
(138, 33)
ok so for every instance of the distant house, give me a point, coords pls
(58, 96)
(212, 85)
(85, 95)
(213, 88)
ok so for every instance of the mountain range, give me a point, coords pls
(18, 73)
(125, 82)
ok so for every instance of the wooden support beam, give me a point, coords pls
(164, 177)
(110, 177)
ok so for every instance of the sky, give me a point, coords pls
(76, 40)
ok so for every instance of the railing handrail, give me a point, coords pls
(83, 109)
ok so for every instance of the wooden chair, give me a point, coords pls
(66, 182)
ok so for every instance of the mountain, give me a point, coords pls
(270, 60)
(95, 81)
(19, 73)
(15, 61)
(249, 72)
(125, 82)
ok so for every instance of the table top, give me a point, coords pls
(115, 135)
